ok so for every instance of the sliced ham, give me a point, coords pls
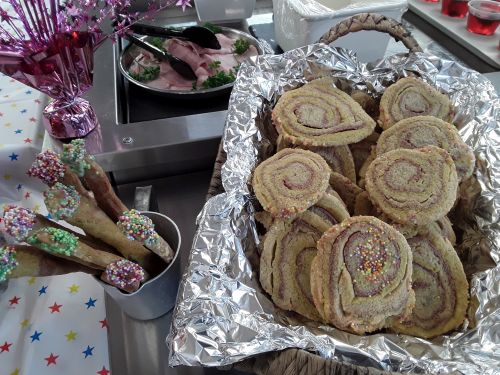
(198, 59)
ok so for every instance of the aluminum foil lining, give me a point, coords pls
(222, 314)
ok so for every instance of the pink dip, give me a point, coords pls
(197, 57)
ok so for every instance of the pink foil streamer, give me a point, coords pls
(51, 48)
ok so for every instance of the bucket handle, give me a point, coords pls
(372, 21)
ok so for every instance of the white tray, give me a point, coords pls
(484, 47)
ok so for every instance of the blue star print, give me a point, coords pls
(43, 290)
(19, 187)
(48, 216)
(88, 351)
(35, 336)
(13, 157)
(91, 303)
(18, 131)
(28, 92)
(24, 111)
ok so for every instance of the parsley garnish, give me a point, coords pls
(213, 28)
(214, 65)
(219, 79)
(147, 74)
(157, 42)
(241, 46)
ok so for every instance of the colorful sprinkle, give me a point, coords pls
(124, 274)
(138, 227)
(62, 201)
(61, 241)
(18, 221)
(373, 255)
(47, 167)
(74, 155)
(8, 261)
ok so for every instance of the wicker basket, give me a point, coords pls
(298, 361)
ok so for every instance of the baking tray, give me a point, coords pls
(484, 47)
(131, 51)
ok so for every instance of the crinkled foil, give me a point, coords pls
(223, 316)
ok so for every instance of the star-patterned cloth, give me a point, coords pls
(51, 325)
(21, 138)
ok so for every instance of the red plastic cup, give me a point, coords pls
(455, 8)
(484, 17)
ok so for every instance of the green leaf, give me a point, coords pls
(213, 28)
(219, 79)
(157, 42)
(241, 46)
(147, 74)
(214, 65)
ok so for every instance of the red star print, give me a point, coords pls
(51, 360)
(104, 371)
(28, 140)
(55, 308)
(1, 114)
(14, 301)
(27, 195)
(104, 323)
(5, 347)
(32, 119)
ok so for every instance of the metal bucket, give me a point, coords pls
(157, 296)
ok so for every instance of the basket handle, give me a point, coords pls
(371, 21)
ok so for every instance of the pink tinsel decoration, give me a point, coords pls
(49, 45)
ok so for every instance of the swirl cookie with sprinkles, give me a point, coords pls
(410, 97)
(288, 250)
(421, 131)
(361, 275)
(290, 182)
(318, 114)
(413, 186)
(440, 286)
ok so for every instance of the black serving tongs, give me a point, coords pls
(178, 65)
(197, 34)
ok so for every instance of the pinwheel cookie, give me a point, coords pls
(413, 186)
(361, 275)
(318, 114)
(420, 131)
(410, 97)
(339, 158)
(440, 286)
(288, 250)
(346, 189)
(290, 182)
(362, 150)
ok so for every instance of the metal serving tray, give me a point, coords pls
(131, 52)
